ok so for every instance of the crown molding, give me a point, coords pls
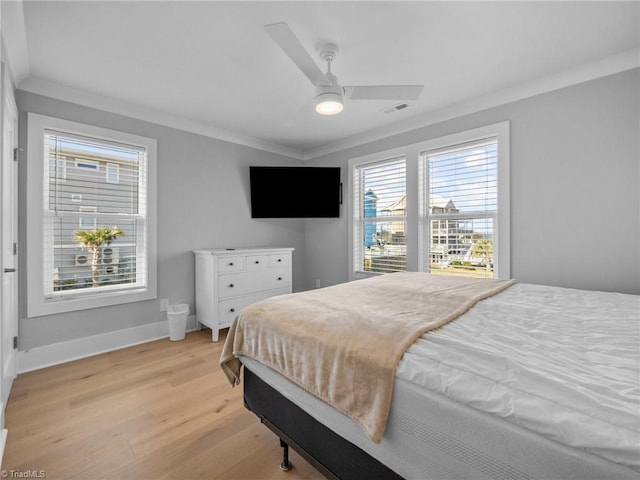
(92, 100)
(618, 63)
(608, 66)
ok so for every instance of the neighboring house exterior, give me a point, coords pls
(450, 239)
(88, 189)
(395, 231)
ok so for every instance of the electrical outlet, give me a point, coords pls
(318, 284)
(164, 304)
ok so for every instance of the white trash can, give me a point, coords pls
(177, 316)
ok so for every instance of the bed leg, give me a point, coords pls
(285, 465)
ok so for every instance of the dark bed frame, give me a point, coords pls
(332, 455)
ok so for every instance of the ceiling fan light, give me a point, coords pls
(329, 103)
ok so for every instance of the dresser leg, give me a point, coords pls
(214, 334)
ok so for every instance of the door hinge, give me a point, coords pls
(15, 342)
(15, 154)
(15, 248)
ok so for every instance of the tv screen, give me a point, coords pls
(295, 192)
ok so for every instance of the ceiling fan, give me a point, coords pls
(330, 95)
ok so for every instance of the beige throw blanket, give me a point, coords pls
(343, 343)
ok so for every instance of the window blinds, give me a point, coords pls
(93, 183)
(461, 208)
(380, 216)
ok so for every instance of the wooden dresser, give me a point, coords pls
(229, 279)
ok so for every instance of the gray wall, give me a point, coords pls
(575, 178)
(575, 205)
(203, 202)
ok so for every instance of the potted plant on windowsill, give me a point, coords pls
(92, 240)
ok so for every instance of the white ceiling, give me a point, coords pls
(211, 67)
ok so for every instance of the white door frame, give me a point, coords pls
(8, 240)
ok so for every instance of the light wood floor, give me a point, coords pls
(161, 410)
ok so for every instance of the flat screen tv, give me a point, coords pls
(295, 192)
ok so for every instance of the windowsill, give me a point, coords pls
(103, 299)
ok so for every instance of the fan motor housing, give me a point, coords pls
(332, 89)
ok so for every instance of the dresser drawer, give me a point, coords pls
(279, 260)
(230, 264)
(228, 309)
(235, 284)
(256, 262)
(272, 279)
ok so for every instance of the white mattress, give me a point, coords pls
(577, 394)
(561, 362)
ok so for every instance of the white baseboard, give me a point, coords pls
(57, 353)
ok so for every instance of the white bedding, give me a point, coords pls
(576, 357)
(560, 362)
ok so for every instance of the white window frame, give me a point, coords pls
(354, 213)
(418, 238)
(356, 258)
(86, 222)
(37, 302)
(112, 167)
(500, 131)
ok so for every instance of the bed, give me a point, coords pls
(521, 382)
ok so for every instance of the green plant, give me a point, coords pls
(92, 240)
(484, 250)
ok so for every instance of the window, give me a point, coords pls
(380, 227)
(444, 210)
(113, 173)
(87, 164)
(461, 208)
(87, 222)
(108, 186)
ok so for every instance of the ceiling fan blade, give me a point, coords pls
(289, 43)
(383, 92)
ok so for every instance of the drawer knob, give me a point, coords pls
(279, 259)
(279, 278)
(232, 310)
(231, 264)
(231, 285)
(257, 261)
